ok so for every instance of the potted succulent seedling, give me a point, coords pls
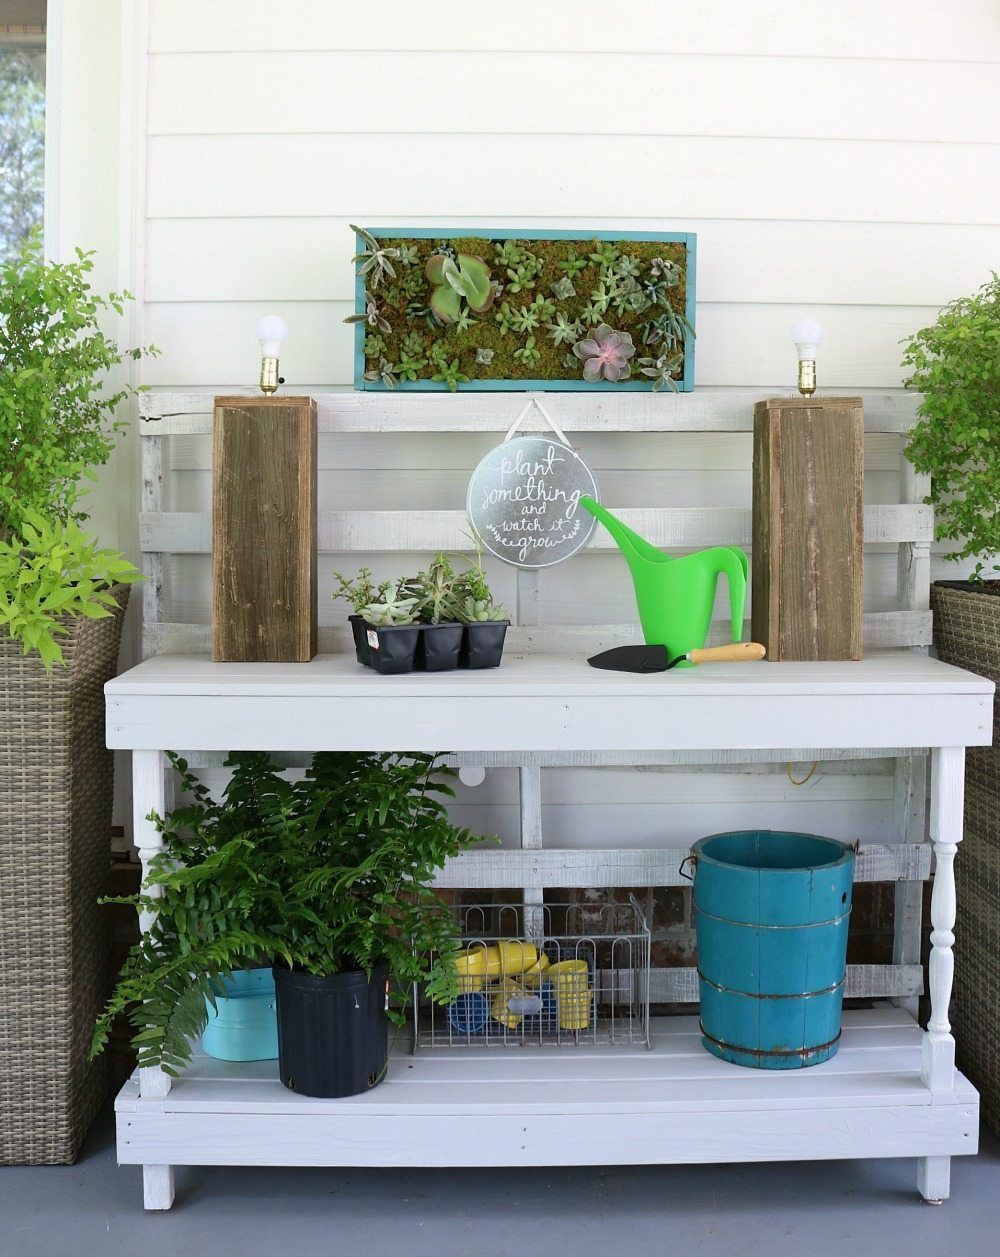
(329, 879)
(436, 595)
(485, 622)
(383, 624)
(956, 367)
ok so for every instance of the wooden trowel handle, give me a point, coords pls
(738, 652)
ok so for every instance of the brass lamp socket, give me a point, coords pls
(269, 378)
(807, 376)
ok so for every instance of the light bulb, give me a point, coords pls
(271, 332)
(807, 335)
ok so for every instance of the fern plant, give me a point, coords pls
(328, 874)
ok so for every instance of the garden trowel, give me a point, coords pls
(654, 658)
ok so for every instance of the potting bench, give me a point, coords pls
(892, 1089)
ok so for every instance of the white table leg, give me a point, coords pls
(157, 1186)
(938, 1071)
(149, 795)
(934, 1179)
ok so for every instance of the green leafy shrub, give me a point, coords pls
(956, 365)
(328, 874)
(56, 421)
(51, 570)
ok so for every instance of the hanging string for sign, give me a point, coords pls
(523, 498)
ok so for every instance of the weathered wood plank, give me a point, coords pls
(264, 530)
(556, 868)
(882, 629)
(808, 528)
(680, 986)
(340, 532)
(708, 410)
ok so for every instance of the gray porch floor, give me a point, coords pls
(825, 1207)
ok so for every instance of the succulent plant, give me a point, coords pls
(390, 609)
(414, 344)
(481, 611)
(524, 319)
(592, 314)
(412, 283)
(438, 354)
(669, 327)
(543, 307)
(433, 592)
(628, 265)
(571, 264)
(410, 365)
(376, 259)
(563, 288)
(464, 321)
(360, 590)
(385, 372)
(661, 370)
(374, 344)
(665, 270)
(451, 375)
(605, 253)
(528, 354)
(570, 361)
(504, 316)
(453, 279)
(521, 266)
(485, 356)
(444, 249)
(417, 311)
(408, 254)
(371, 316)
(509, 252)
(605, 354)
(564, 331)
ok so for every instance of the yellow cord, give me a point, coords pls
(788, 770)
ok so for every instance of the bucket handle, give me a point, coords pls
(693, 861)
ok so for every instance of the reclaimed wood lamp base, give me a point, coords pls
(808, 527)
(264, 530)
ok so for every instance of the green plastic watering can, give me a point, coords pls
(676, 596)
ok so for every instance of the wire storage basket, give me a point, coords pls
(560, 974)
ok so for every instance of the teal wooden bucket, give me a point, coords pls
(243, 1026)
(771, 913)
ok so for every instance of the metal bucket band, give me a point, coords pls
(764, 1052)
(733, 990)
(760, 925)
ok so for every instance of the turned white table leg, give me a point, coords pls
(149, 795)
(938, 1072)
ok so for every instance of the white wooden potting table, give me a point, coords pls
(891, 1091)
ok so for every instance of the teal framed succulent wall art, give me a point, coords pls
(523, 310)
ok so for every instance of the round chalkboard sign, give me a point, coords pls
(524, 501)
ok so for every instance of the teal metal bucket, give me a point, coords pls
(243, 1026)
(771, 911)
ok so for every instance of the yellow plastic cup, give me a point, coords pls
(533, 976)
(500, 1009)
(515, 956)
(573, 995)
(471, 968)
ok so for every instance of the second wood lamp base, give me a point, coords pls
(808, 527)
(264, 530)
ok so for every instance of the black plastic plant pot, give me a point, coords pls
(391, 649)
(361, 648)
(482, 646)
(333, 1032)
(439, 647)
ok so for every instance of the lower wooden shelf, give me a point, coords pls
(530, 1106)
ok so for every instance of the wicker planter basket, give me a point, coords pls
(56, 780)
(967, 633)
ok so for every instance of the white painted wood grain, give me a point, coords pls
(706, 411)
(696, 95)
(891, 29)
(829, 263)
(205, 176)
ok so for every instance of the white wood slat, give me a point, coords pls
(563, 867)
(172, 413)
(372, 531)
(315, 92)
(739, 260)
(882, 629)
(203, 176)
(853, 29)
